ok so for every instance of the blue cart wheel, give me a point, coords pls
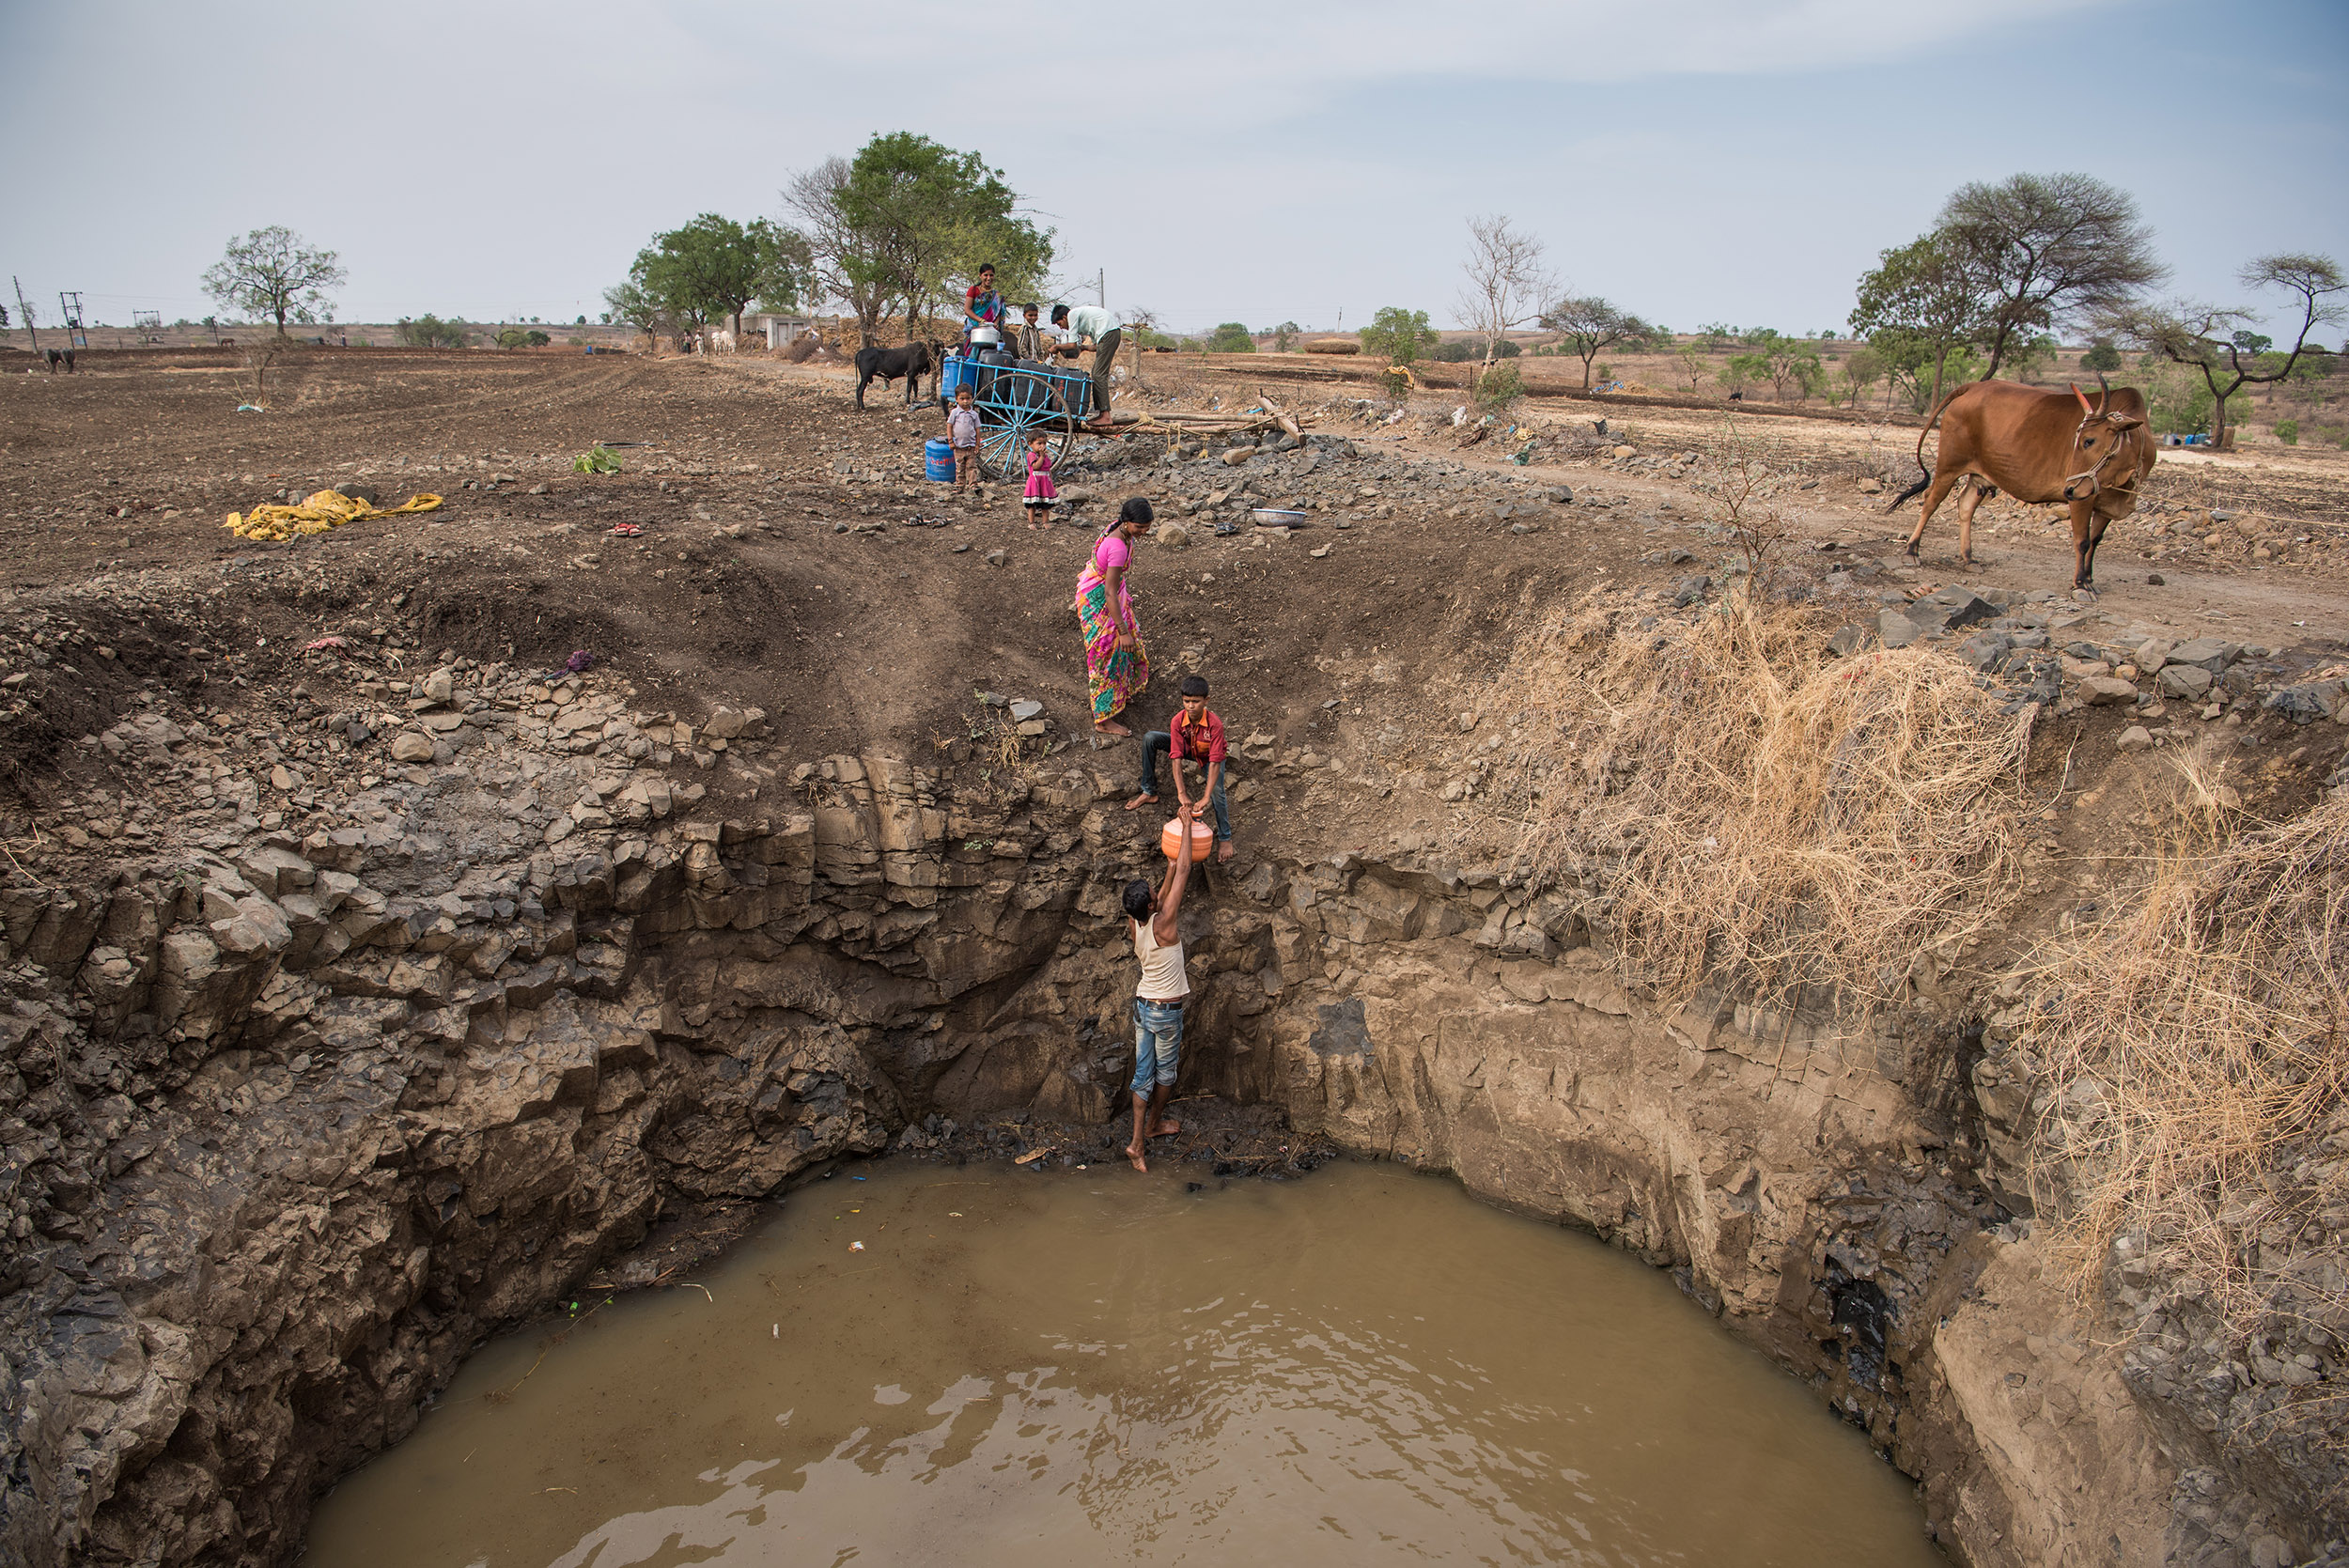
(1013, 406)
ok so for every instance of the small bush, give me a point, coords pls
(1500, 387)
(430, 332)
(2101, 356)
(2288, 431)
(598, 458)
(1231, 338)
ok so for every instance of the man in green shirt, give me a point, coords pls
(1099, 325)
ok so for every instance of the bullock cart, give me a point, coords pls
(1017, 399)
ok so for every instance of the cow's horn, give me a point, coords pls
(2082, 397)
(2105, 401)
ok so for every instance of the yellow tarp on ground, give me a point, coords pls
(326, 509)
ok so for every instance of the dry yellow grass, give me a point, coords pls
(2194, 1053)
(1755, 810)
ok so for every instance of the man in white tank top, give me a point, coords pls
(1159, 996)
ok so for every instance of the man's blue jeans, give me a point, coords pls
(1159, 743)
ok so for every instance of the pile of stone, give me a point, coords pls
(2032, 648)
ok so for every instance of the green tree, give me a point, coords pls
(1231, 338)
(2101, 357)
(1588, 327)
(273, 272)
(1790, 362)
(1400, 335)
(1863, 369)
(917, 216)
(2042, 249)
(714, 267)
(1284, 335)
(430, 332)
(1692, 363)
(2216, 341)
(637, 307)
(1743, 370)
(1922, 303)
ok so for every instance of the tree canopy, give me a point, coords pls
(273, 272)
(906, 223)
(1588, 327)
(1400, 335)
(714, 267)
(1923, 302)
(2043, 249)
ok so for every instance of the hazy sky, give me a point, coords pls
(1692, 160)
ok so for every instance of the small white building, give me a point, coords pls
(780, 329)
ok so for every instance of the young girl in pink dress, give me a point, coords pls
(1040, 491)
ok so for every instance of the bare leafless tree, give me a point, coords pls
(843, 264)
(2217, 340)
(1507, 282)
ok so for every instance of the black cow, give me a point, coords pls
(56, 357)
(913, 361)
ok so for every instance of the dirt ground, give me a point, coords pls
(743, 588)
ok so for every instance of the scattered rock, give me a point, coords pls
(1025, 709)
(1896, 630)
(411, 746)
(2104, 690)
(2137, 738)
(2187, 682)
(1173, 536)
(997, 557)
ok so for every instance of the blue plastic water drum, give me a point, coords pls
(938, 459)
(956, 371)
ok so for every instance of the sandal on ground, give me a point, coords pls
(627, 531)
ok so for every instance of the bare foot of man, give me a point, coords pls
(1166, 1129)
(1110, 726)
(1133, 1157)
(1224, 849)
(1141, 800)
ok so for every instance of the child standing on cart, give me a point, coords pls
(1040, 491)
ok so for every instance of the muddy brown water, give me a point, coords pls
(1030, 1369)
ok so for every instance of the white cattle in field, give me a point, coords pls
(721, 341)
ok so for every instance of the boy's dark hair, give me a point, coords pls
(1136, 510)
(1138, 900)
(1194, 686)
(1059, 314)
(1030, 308)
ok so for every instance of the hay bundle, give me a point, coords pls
(1744, 807)
(1333, 346)
(2192, 1056)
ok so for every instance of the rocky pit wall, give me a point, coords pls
(292, 1125)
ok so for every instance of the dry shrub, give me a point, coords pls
(2192, 1056)
(1749, 809)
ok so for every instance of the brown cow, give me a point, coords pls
(2039, 447)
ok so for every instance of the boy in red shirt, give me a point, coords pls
(1197, 737)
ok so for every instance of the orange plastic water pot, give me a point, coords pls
(1202, 839)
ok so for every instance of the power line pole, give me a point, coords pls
(1101, 287)
(26, 311)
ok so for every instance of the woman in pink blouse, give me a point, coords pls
(1117, 666)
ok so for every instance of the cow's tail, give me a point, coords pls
(1924, 475)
